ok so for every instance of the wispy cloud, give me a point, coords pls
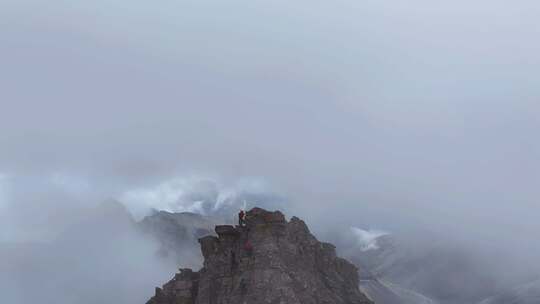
(367, 239)
(196, 194)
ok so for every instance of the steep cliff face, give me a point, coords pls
(271, 260)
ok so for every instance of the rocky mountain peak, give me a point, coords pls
(269, 260)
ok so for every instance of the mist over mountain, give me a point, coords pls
(107, 245)
(99, 258)
(415, 120)
(528, 293)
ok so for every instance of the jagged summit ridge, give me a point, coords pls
(270, 260)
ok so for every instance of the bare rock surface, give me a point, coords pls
(270, 260)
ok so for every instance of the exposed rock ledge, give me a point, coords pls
(268, 261)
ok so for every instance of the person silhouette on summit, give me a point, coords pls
(241, 218)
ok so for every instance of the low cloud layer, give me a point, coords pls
(367, 239)
(200, 195)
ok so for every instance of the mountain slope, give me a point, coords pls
(269, 261)
(524, 294)
(382, 292)
(443, 274)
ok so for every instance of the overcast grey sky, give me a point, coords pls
(415, 116)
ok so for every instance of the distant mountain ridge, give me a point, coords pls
(525, 294)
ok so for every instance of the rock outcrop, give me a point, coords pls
(270, 260)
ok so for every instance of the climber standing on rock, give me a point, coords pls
(242, 218)
(248, 248)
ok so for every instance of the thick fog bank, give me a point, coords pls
(98, 256)
(418, 119)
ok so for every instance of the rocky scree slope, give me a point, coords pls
(272, 261)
